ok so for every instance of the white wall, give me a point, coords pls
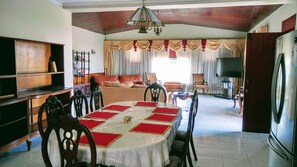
(39, 20)
(274, 21)
(85, 40)
(179, 31)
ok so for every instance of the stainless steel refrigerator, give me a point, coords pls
(283, 134)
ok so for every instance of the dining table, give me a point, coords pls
(131, 133)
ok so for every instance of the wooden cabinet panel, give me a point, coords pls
(32, 57)
(259, 67)
(29, 82)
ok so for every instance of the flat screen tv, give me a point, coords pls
(229, 67)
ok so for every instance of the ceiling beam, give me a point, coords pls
(77, 6)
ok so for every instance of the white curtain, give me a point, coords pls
(179, 69)
(131, 62)
(167, 69)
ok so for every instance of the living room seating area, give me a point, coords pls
(117, 88)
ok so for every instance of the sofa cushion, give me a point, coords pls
(111, 83)
(126, 85)
(136, 78)
(139, 86)
(100, 78)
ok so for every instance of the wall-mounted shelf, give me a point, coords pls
(81, 71)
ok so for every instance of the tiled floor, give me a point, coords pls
(220, 142)
(217, 135)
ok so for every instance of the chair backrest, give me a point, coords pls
(195, 101)
(198, 78)
(68, 132)
(192, 115)
(53, 108)
(190, 126)
(155, 91)
(79, 100)
(150, 78)
(96, 100)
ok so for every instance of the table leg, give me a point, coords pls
(240, 103)
(174, 100)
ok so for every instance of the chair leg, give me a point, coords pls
(185, 163)
(234, 100)
(189, 159)
(193, 149)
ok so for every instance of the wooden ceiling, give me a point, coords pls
(239, 18)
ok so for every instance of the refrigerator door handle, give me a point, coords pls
(281, 154)
(280, 64)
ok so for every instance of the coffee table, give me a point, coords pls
(180, 95)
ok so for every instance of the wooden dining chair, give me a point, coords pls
(68, 132)
(155, 90)
(96, 100)
(182, 135)
(79, 102)
(49, 111)
(151, 78)
(180, 149)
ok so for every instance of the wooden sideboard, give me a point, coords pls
(27, 78)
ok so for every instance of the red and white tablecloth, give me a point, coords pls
(136, 143)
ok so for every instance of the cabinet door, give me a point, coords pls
(259, 67)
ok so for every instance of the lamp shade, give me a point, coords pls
(144, 19)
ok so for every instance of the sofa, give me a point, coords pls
(117, 88)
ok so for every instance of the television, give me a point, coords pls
(229, 67)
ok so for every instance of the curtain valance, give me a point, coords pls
(213, 44)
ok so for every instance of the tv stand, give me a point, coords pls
(227, 90)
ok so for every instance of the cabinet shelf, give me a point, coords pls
(8, 96)
(7, 76)
(39, 93)
(38, 73)
(12, 122)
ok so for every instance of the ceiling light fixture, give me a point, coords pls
(144, 19)
(158, 29)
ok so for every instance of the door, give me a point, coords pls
(260, 53)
